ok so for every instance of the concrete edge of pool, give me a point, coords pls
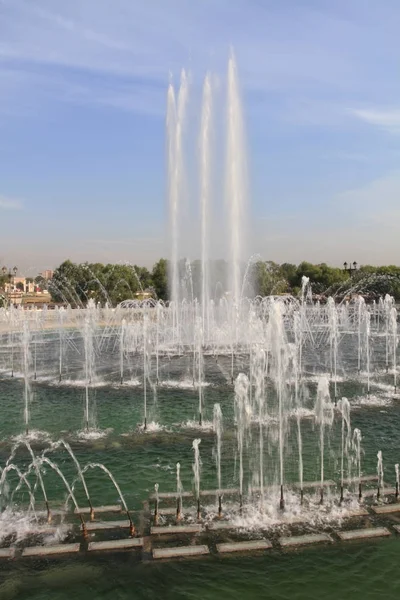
(148, 545)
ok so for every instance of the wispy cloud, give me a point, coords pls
(388, 119)
(10, 203)
(284, 48)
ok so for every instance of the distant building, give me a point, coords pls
(20, 284)
(47, 274)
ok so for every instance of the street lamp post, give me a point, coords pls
(350, 268)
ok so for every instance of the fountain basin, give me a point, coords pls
(303, 540)
(248, 546)
(176, 529)
(7, 552)
(362, 534)
(58, 549)
(113, 545)
(180, 552)
(105, 525)
(98, 509)
(388, 508)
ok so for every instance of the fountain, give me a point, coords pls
(282, 376)
(324, 418)
(196, 472)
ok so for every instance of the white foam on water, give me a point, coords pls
(93, 434)
(33, 435)
(315, 378)
(183, 384)
(21, 525)
(311, 514)
(152, 427)
(371, 400)
(195, 425)
(386, 387)
(134, 382)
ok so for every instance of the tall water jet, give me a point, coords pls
(11, 336)
(333, 341)
(357, 447)
(196, 472)
(324, 415)
(61, 333)
(35, 340)
(393, 328)
(379, 471)
(199, 367)
(145, 368)
(121, 351)
(205, 193)
(217, 426)
(258, 371)
(175, 129)
(396, 469)
(367, 348)
(360, 314)
(236, 177)
(26, 362)
(89, 362)
(278, 372)
(243, 418)
(179, 490)
(297, 361)
(387, 304)
(344, 408)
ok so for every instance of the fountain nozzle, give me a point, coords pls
(321, 501)
(49, 516)
(282, 500)
(156, 514)
(91, 510)
(198, 509)
(83, 525)
(220, 506)
(179, 509)
(131, 525)
(341, 495)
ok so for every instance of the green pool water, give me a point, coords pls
(139, 460)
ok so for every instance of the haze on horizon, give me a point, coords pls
(82, 125)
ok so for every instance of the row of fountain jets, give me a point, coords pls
(272, 339)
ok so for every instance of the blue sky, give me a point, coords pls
(82, 124)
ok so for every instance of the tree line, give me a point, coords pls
(76, 283)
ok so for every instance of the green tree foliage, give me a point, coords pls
(159, 278)
(113, 283)
(78, 283)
